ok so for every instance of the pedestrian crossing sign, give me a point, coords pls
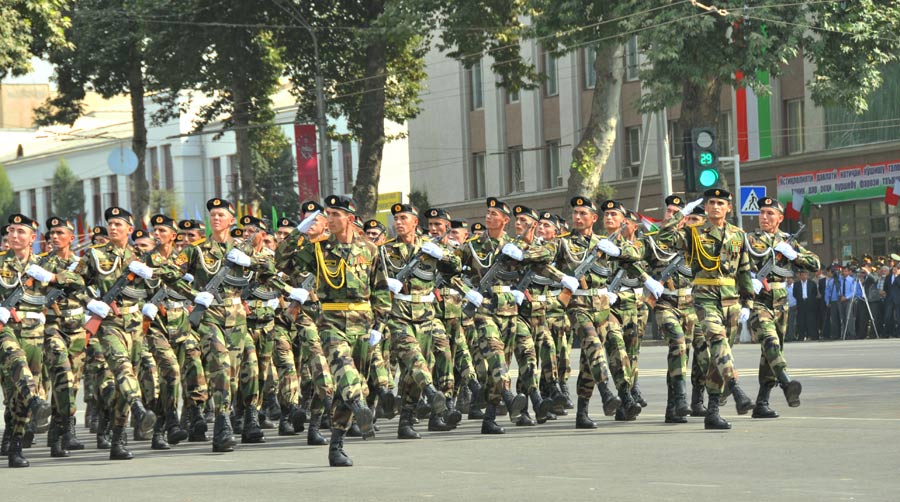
(750, 197)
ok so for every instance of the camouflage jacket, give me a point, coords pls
(544, 287)
(573, 248)
(72, 284)
(448, 305)
(204, 257)
(393, 257)
(633, 280)
(760, 244)
(12, 275)
(718, 257)
(658, 256)
(102, 265)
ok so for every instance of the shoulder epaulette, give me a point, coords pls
(41, 255)
(651, 233)
(96, 246)
(564, 234)
(470, 239)
(389, 241)
(198, 242)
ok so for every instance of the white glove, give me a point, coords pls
(299, 295)
(307, 222)
(374, 337)
(569, 283)
(141, 270)
(757, 286)
(432, 249)
(520, 296)
(689, 207)
(452, 243)
(475, 298)
(188, 278)
(609, 248)
(238, 257)
(613, 298)
(39, 273)
(654, 286)
(72, 266)
(98, 308)
(789, 252)
(513, 251)
(273, 303)
(394, 285)
(744, 316)
(4, 315)
(149, 310)
(204, 298)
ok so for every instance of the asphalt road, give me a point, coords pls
(843, 443)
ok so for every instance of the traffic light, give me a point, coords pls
(704, 157)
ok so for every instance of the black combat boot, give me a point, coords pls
(582, 420)
(559, 400)
(7, 433)
(16, 459)
(297, 417)
(479, 400)
(90, 415)
(464, 399)
(252, 433)
(223, 437)
(423, 409)
(174, 433)
(713, 420)
(284, 426)
(264, 422)
(742, 402)
(197, 425)
(541, 406)
(353, 431)
(564, 387)
(103, 427)
(40, 410)
(70, 438)
(489, 423)
(58, 427)
(28, 438)
(237, 419)
(679, 397)
(365, 418)
(436, 399)
(762, 410)
(630, 407)
(208, 413)
(386, 400)
(336, 455)
(791, 388)
(270, 407)
(313, 436)
(144, 419)
(436, 423)
(610, 401)
(328, 403)
(119, 441)
(698, 409)
(158, 441)
(515, 404)
(636, 394)
(406, 429)
(672, 416)
(453, 416)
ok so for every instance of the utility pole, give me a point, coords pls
(736, 159)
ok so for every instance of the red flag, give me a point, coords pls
(892, 194)
(307, 162)
(795, 207)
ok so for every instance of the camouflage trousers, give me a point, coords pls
(545, 347)
(185, 345)
(600, 335)
(379, 373)
(313, 369)
(215, 332)
(244, 367)
(463, 368)
(561, 331)
(261, 331)
(64, 355)
(167, 366)
(18, 382)
(413, 358)
(643, 315)
(99, 383)
(719, 323)
(700, 346)
(345, 336)
(287, 383)
(491, 331)
(123, 348)
(673, 323)
(478, 362)
(629, 318)
(768, 326)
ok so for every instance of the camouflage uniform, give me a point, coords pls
(626, 310)
(448, 308)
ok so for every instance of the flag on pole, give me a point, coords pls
(795, 207)
(651, 224)
(892, 193)
(754, 120)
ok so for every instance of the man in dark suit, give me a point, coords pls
(821, 305)
(890, 323)
(894, 296)
(805, 292)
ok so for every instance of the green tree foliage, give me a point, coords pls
(68, 192)
(28, 28)
(9, 202)
(274, 168)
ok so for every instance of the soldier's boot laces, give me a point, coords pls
(365, 418)
(611, 402)
(386, 403)
(118, 451)
(679, 397)
(638, 397)
(144, 419)
(223, 437)
(762, 409)
(14, 453)
(582, 419)
(336, 455)
(515, 404)
(671, 416)
(158, 441)
(252, 432)
(742, 402)
(70, 438)
(55, 435)
(103, 428)
(489, 422)
(713, 420)
(698, 409)
(436, 399)
(791, 388)
(197, 424)
(313, 436)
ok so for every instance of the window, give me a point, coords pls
(632, 152)
(32, 201)
(477, 181)
(632, 62)
(512, 96)
(793, 126)
(347, 165)
(552, 176)
(860, 227)
(590, 76)
(476, 93)
(551, 84)
(676, 144)
(152, 162)
(217, 177)
(724, 134)
(48, 201)
(515, 178)
(97, 199)
(168, 174)
(113, 182)
(234, 178)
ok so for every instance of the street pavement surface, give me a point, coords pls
(842, 443)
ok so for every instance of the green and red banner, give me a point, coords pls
(754, 120)
(828, 186)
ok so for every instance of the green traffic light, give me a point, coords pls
(709, 177)
(706, 158)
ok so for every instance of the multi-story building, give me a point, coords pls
(474, 140)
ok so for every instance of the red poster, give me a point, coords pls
(307, 162)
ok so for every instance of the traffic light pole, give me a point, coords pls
(736, 159)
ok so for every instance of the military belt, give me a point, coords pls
(678, 292)
(71, 312)
(590, 292)
(714, 281)
(344, 307)
(230, 301)
(172, 305)
(414, 298)
(539, 298)
(130, 309)
(554, 292)
(258, 304)
(39, 316)
(451, 292)
(500, 289)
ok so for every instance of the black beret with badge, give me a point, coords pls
(237, 233)
(286, 222)
(140, 234)
(99, 231)
(477, 227)
(526, 211)
(773, 203)
(311, 206)
(581, 201)
(438, 213)
(191, 225)
(219, 203)
(499, 205)
(21, 219)
(253, 221)
(613, 205)
(161, 220)
(57, 222)
(675, 200)
(460, 223)
(404, 208)
(114, 212)
(718, 193)
(375, 225)
(341, 202)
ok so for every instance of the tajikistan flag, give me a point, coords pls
(754, 121)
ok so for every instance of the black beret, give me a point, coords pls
(358, 224)
(219, 203)
(117, 212)
(581, 201)
(311, 206)
(237, 233)
(526, 211)
(404, 208)
(3, 230)
(99, 230)
(675, 200)
(437, 212)
(718, 193)
(251, 220)
(57, 222)
(21, 219)
(375, 224)
(631, 215)
(140, 234)
(161, 220)
(286, 222)
(341, 202)
(613, 205)
(495, 203)
(459, 223)
(773, 203)
(699, 211)
(477, 227)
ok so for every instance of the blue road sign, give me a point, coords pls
(750, 197)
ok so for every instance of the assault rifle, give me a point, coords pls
(591, 256)
(112, 296)
(10, 302)
(215, 283)
(490, 277)
(769, 265)
(411, 265)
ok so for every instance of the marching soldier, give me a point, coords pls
(722, 291)
(147, 371)
(770, 309)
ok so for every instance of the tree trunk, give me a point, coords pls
(599, 134)
(140, 189)
(371, 143)
(247, 192)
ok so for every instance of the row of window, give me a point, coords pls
(513, 179)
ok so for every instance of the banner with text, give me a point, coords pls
(307, 162)
(828, 186)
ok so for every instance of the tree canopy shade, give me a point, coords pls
(29, 28)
